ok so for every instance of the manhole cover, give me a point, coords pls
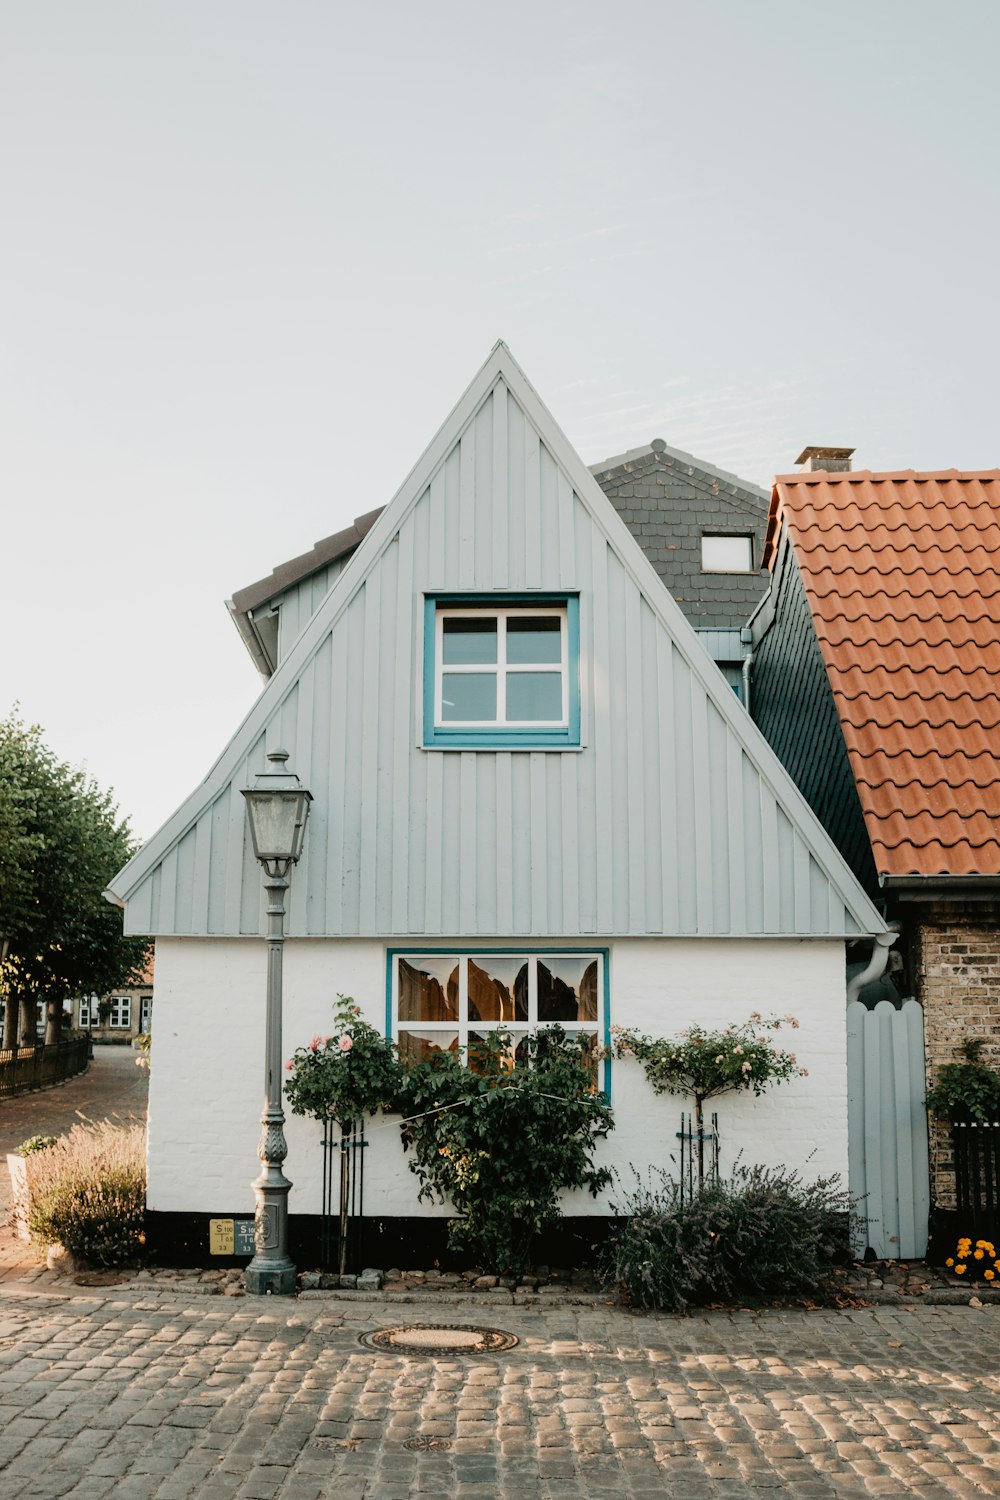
(427, 1444)
(100, 1278)
(439, 1338)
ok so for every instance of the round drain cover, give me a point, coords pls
(439, 1338)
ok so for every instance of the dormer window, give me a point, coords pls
(727, 554)
(502, 674)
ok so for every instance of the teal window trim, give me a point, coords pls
(529, 951)
(459, 737)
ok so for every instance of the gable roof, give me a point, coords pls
(696, 469)
(723, 502)
(902, 575)
(687, 824)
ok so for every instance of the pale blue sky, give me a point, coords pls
(253, 252)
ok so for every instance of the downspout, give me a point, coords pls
(876, 967)
(746, 641)
(747, 664)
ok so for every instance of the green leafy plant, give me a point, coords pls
(36, 1143)
(143, 1045)
(88, 1193)
(760, 1234)
(502, 1138)
(708, 1063)
(352, 1073)
(969, 1087)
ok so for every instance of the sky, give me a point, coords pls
(252, 253)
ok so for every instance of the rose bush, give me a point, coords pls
(351, 1073)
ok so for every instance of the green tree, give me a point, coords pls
(61, 841)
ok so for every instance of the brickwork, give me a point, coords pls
(957, 954)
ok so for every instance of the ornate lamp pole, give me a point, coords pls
(277, 808)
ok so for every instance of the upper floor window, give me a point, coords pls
(499, 675)
(727, 554)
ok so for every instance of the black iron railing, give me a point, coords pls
(25, 1068)
(976, 1144)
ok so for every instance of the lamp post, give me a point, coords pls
(277, 809)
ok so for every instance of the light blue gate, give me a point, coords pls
(887, 1144)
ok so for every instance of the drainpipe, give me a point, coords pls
(876, 967)
(746, 638)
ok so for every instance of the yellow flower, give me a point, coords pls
(989, 1275)
(959, 1270)
(949, 1261)
(979, 1254)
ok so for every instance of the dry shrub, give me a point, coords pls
(88, 1193)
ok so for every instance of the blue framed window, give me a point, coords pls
(501, 673)
(446, 999)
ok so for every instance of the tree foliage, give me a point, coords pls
(61, 842)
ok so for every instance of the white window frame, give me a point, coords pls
(501, 668)
(728, 536)
(517, 1029)
(120, 1017)
(88, 1012)
(145, 1012)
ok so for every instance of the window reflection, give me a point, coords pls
(419, 1046)
(498, 990)
(428, 989)
(567, 990)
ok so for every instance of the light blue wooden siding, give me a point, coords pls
(297, 606)
(660, 824)
(889, 1168)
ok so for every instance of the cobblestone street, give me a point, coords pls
(133, 1392)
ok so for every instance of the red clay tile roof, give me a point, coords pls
(902, 574)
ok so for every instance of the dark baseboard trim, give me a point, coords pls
(182, 1240)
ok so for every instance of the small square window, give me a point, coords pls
(727, 554)
(502, 675)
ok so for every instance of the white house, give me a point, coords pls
(523, 763)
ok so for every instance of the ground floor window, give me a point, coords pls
(445, 1001)
(121, 1012)
(88, 1013)
(145, 1012)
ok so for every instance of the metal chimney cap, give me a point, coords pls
(817, 457)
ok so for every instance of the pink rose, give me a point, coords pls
(345, 1044)
(289, 1065)
(316, 1043)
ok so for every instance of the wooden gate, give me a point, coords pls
(887, 1124)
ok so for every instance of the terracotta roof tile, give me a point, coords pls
(902, 573)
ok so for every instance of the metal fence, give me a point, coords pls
(976, 1144)
(27, 1068)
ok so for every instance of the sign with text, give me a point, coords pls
(231, 1237)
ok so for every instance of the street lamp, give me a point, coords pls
(277, 809)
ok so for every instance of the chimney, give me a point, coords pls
(830, 460)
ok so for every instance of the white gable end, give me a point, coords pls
(672, 816)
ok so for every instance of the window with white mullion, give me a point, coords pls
(486, 677)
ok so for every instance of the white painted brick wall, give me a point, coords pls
(206, 1082)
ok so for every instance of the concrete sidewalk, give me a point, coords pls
(133, 1393)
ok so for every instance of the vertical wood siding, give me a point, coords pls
(660, 823)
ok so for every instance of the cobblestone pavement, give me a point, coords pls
(130, 1392)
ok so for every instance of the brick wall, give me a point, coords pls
(957, 954)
